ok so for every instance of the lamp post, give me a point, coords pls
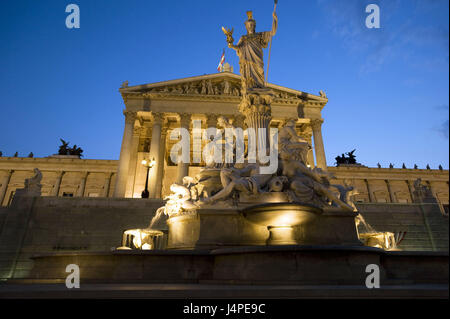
(149, 164)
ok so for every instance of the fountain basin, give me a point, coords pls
(280, 218)
(383, 240)
(140, 239)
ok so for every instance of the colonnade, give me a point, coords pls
(159, 127)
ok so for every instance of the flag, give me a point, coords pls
(222, 61)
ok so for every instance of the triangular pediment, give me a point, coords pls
(218, 85)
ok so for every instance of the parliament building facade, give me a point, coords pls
(152, 111)
(86, 204)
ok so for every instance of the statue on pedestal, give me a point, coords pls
(291, 145)
(256, 97)
(293, 178)
(250, 52)
(32, 187)
(350, 160)
(65, 150)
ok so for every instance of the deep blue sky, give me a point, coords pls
(387, 88)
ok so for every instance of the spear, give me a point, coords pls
(270, 44)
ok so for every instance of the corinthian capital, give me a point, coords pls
(138, 130)
(211, 119)
(157, 117)
(130, 116)
(316, 123)
(185, 119)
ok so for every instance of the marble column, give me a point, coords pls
(316, 126)
(81, 189)
(107, 184)
(307, 135)
(411, 193)
(431, 188)
(4, 185)
(155, 146)
(133, 161)
(160, 172)
(183, 168)
(391, 194)
(56, 187)
(211, 122)
(369, 191)
(124, 161)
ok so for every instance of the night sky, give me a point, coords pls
(387, 88)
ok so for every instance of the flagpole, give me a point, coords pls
(222, 60)
(270, 44)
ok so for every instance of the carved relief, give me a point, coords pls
(216, 87)
(203, 87)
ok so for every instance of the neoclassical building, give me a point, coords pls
(153, 111)
(86, 204)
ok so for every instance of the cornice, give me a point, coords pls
(178, 90)
(374, 173)
(213, 98)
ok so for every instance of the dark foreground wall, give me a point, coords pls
(287, 265)
(325, 271)
(41, 225)
(56, 224)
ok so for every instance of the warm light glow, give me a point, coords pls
(142, 238)
(149, 163)
(285, 220)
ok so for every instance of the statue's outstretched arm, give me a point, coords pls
(235, 47)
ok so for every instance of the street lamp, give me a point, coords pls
(149, 164)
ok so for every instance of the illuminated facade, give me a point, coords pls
(153, 111)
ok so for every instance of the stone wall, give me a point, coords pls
(60, 176)
(392, 185)
(40, 225)
(425, 226)
(49, 224)
(96, 178)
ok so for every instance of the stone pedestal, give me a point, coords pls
(256, 107)
(210, 228)
(213, 228)
(281, 235)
